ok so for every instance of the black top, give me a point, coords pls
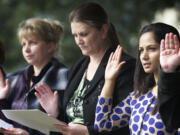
(169, 98)
(123, 86)
(21, 96)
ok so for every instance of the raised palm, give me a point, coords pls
(48, 99)
(4, 86)
(170, 53)
(114, 64)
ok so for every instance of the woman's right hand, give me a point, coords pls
(48, 99)
(4, 86)
(170, 53)
(112, 71)
(114, 64)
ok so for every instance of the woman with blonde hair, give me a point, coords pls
(39, 39)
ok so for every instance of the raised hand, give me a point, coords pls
(114, 64)
(170, 53)
(112, 71)
(47, 99)
(4, 86)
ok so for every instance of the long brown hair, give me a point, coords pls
(143, 82)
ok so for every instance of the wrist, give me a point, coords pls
(108, 88)
(56, 113)
(109, 81)
(86, 131)
(169, 70)
(2, 97)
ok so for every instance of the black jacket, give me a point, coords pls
(169, 98)
(124, 85)
(55, 77)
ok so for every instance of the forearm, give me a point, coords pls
(105, 115)
(169, 98)
(169, 111)
(168, 83)
(91, 131)
(108, 88)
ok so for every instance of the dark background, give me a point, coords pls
(128, 16)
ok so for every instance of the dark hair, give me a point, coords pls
(143, 82)
(94, 15)
(2, 53)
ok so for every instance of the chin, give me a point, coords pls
(85, 53)
(148, 71)
(29, 62)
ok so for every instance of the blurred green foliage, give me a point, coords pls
(126, 15)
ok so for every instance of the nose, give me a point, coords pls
(27, 48)
(145, 55)
(79, 40)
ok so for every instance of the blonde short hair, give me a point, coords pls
(47, 29)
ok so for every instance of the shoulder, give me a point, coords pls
(58, 67)
(56, 63)
(16, 74)
(130, 63)
(14, 77)
(129, 59)
(83, 61)
(56, 75)
(126, 56)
